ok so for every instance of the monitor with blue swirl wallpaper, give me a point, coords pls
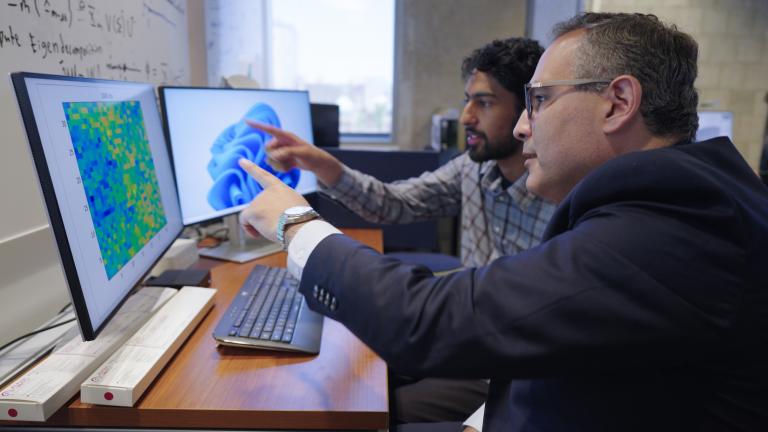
(207, 134)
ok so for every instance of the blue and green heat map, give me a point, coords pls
(118, 176)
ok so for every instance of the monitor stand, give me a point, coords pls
(240, 247)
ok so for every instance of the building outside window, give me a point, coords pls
(342, 51)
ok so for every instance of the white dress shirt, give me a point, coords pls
(476, 419)
(304, 242)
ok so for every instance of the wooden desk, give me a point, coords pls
(210, 387)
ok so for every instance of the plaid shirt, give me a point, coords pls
(495, 222)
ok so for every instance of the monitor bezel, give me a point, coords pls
(169, 144)
(53, 211)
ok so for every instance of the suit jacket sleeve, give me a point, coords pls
(605, 294)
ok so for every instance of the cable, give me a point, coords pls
(217, 233)
(6, 345)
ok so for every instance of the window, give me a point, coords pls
(342, 51)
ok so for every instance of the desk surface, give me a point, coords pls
(205, 386)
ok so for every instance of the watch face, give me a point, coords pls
(297, 210)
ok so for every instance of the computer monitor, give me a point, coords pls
(714, 124)
(207, 134)
(104, 171)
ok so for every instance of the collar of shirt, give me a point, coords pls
(491, 181)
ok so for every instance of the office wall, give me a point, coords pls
(139, 40)
(733, 57)
(432, 38)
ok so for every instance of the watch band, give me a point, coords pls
(287, 218)
(281, 231)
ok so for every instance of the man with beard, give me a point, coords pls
(485, 185)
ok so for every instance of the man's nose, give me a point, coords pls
(468, 117)
(523, 127)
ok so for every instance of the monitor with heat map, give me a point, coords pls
(102, 162)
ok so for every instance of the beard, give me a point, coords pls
(493, 150)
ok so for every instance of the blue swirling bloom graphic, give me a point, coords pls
(232, 186)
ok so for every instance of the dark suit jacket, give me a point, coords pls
(645, 309)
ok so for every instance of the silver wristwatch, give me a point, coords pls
(293, 215)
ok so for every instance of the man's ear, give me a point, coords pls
(623, 94)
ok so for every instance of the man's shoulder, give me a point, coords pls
(679, 165)
(687, 180)
(712, 153)
(677, 174)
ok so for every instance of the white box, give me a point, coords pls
(45, 388)
(124, 377)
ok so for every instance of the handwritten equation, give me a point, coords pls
(61, 25)
(84, 11)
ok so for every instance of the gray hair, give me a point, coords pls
(662, 58)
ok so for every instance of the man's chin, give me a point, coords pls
(534, 182)
(538, 187)
(485, 151)
(477, 154)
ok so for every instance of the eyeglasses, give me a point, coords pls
(532, 87)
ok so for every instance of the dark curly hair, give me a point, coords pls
(661, 57)
(511, 62)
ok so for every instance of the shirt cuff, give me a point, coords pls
(476, 419)
(304, 242)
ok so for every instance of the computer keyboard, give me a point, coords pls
(271, 307)
(268, 312)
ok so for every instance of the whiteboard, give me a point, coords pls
(135, 40)
(236, 43)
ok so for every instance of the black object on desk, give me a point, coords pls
(181, 278)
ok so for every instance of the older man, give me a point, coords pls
(645, 308)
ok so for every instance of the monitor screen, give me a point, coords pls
(105, 175)
(714, 124)
(207, 133)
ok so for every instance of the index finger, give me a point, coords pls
(272, 130)
(262, 177)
